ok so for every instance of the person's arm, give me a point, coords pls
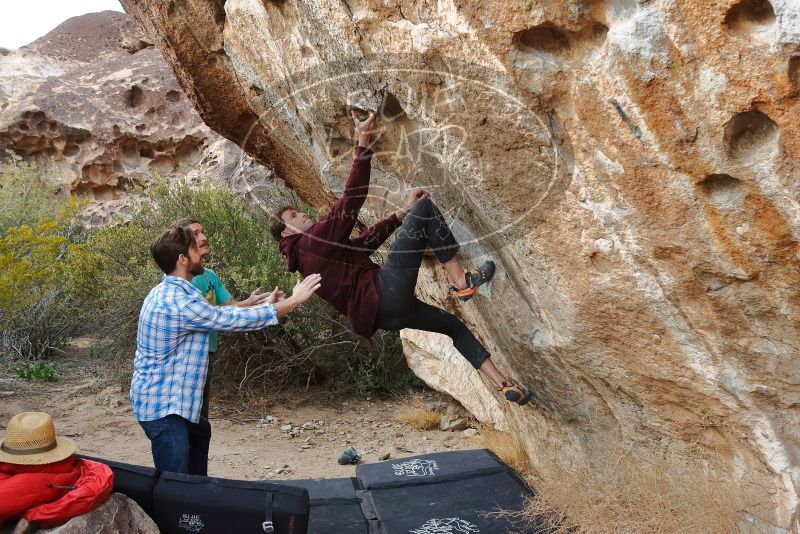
(338, 224)
(199, 315)
(224, 297)
(374, 236)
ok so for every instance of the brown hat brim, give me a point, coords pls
(65, 447)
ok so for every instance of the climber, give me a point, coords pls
(373, 297)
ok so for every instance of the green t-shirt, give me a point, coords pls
(215, 293)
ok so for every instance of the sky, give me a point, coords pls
(23, 21)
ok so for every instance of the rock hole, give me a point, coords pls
(173, 96)
(187, 154)
(391, 108)
(545, 38)
(141, 127)
(256, 90)
(723, 191)
(134, 96)
(72, 150)
(37, 116)
(23, 127)
(599, 32)
(146, 152)
(794, 72)
(750, 15)
(163, 165)
(749, 133)
(130, 153)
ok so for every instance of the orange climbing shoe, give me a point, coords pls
(483, 274)
(516, 393)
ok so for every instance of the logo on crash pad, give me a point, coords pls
(447, 525)
(416, 468)
(191, 523)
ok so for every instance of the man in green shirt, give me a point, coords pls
(216, 294)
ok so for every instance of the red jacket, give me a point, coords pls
(349, 277)
(26, 491)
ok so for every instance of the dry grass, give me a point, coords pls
(419, 416)
(507, 447)
(626, 489)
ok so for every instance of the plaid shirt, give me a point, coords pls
(171, 362)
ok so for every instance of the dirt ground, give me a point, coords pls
(88, 409)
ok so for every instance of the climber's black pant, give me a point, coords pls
(399, 308)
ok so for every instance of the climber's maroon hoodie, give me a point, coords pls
(349, 277)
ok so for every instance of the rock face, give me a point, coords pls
(632, 166)
(118, 515)
(95, 104)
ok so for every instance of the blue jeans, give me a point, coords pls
(178, 445)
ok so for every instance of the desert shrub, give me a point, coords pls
(39, 244)
(28, 196)
(39, 370)
(648, 488)
(419, 416)
(313, 345)
(507, 446)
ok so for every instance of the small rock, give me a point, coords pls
(385, 456)
(450, 423)
(305, 446)
(348, 456)
(286, 428)
(308, 425)
(470, 433)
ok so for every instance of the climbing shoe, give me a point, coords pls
(483, 274)
(516, 393)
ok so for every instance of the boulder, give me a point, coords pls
(118, 515)
(631, 166)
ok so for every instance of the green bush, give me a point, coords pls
(39, 243)
(39, 370)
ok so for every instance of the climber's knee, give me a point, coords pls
(423, 207)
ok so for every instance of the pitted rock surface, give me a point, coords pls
(95, 105)
(632, 167)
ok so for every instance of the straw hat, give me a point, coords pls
(31, 440)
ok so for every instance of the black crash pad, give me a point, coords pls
(335, 507)
(453, 492)
(428, 469)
